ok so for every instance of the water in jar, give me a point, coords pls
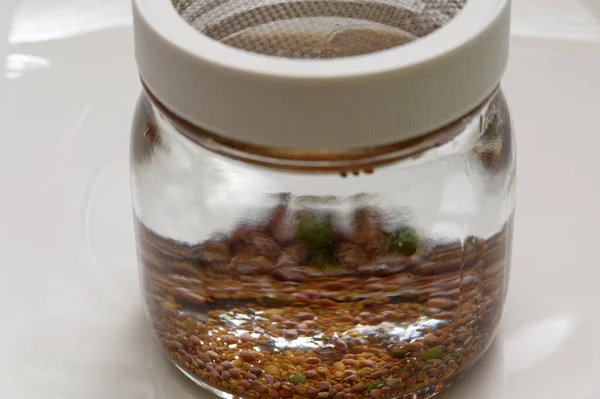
(266, 283)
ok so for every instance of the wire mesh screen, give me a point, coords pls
(317, 28)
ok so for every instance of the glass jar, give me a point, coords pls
(348, 271)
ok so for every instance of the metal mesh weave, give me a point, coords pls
(317, 28)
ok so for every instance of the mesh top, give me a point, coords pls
(317, 29)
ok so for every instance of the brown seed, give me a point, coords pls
(246, 337)
(334, 286)
(273, 393)
(174, 345)
(213, 355)
(303, 316)
(376, 393)
(290, 334)
(195, 340)
(230, 340)
(432, 312)
(226, 365)
(338, 387)
(431, 340)
(190, 296)
(300, 297)
(240, 390)
(312, 360)
(411, 382)
(323, 386)
(469, 281)
(421, 376)
(379, 374)
(339, 366)
(204, 357)
(235, 372)
(455, 292)
(225, 375)
(349, 362)
(358, 387)
(277, 318)
(247, 356)
(311, 373)
(433, 372)
(290, 324)
(300, 390)
(257, 371)
(365, 363)
(250, 265)
(313, 294)
(405, 375)
(445, 315)
(390, 316)
(339, 395)
(326, 303)
(245, 384)
(311, 392)
(417, 346)
(323, 394)
(440, 303)
(214, 375)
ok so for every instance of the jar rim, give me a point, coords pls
(344, 161)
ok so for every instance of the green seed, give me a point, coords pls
(448, 359)
(434, 353)
(374, 385)
(400, 352)
(315, 231)
(297, 379)
(470, 240)
(405, 241)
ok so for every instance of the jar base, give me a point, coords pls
(423, 393)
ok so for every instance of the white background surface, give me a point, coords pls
(72, 325)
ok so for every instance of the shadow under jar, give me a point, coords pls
(292, 257)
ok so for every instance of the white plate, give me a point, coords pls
(72, 325)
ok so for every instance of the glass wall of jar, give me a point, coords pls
(371, 273)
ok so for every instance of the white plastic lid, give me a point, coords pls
(367, 100)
